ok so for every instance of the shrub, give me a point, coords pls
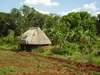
(1, 42)
(91, 48)
(84, 49)
(38, 50)
(15, 47)
(56, 50)
(66, 48)
(47, 52)
(69, 48)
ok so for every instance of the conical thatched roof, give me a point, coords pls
(34, 36)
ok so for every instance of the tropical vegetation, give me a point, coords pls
(74, 33)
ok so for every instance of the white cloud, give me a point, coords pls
(98, 13)
(91, 8)
(40, 2)
(43, 12)
(66, 12)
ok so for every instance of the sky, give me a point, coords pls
(60, 7)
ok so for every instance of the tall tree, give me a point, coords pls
(4, 23)
(80, 23)
(98, 24)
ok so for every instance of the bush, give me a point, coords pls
(85, 49)
(15, 47)
(66, 48)
(38, 50)
(1, 42)
(56, 50)
(47, 52)
(69, 48)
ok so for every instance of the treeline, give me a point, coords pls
(77, 33)
(76, 27)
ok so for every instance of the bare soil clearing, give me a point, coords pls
(27, 63)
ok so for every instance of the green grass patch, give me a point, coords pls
(70, 66)
(8, 70)
(5, 52)
(79, 57)
(95, 73)
(94, 60)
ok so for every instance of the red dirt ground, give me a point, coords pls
(88, 67)
(83, 67)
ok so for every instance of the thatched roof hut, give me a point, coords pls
(33, 37)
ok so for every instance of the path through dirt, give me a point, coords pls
(87, 67)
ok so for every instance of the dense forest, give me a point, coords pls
(76, 31)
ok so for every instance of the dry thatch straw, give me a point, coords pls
(34, 36)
